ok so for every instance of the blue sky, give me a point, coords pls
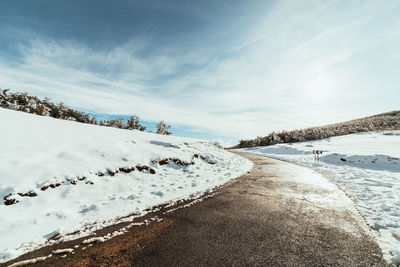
(223, 70)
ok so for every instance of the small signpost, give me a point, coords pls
(316, 154)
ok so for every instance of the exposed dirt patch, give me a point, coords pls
(115, 252)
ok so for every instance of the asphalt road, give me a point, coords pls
(268, 217)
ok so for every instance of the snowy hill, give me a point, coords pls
(367, 167)
(58, 176)
(384, 121)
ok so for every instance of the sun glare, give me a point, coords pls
(319, 87)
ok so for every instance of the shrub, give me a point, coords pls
(32, 104)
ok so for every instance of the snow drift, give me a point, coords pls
(58, 177)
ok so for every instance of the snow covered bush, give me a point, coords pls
(32, 104)
(133, 123)
(162, 128)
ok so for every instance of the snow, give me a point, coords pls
(76, 166)
(367, 167)
(62, 251)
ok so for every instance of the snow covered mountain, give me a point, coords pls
(58, 177)
(367, 167)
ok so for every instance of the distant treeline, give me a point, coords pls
(380, 122)
(32, 104)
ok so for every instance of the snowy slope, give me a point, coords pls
(58, 176)
(367, 167)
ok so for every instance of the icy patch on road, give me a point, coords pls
(367, 167)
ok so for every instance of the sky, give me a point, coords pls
(223, 70)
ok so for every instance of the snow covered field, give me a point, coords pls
(367, 167)
(59, 177)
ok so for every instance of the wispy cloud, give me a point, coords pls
(302, 64)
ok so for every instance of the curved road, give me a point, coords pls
(279, 214)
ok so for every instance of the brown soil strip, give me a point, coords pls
(8, 200)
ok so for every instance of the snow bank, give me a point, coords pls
(58, 177)
(367, 167)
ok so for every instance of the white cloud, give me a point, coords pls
(293, 69)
